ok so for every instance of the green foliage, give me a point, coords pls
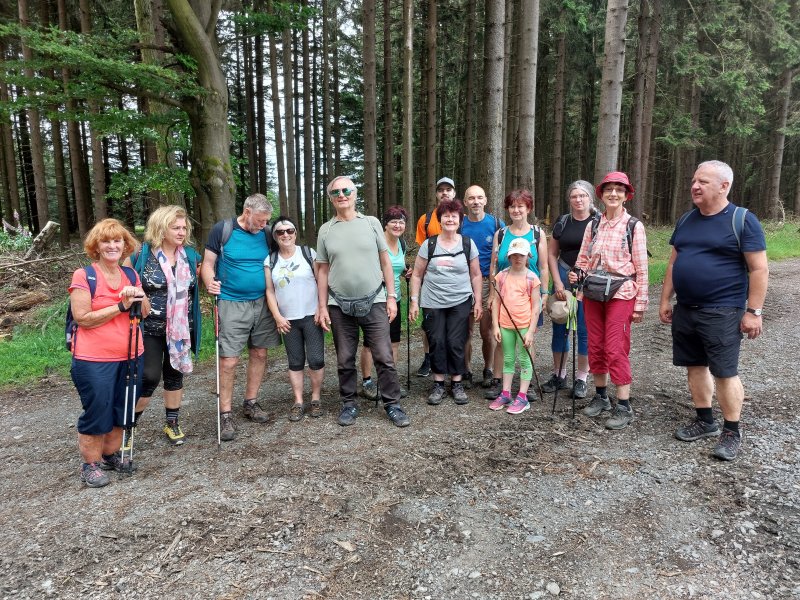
(36, 351)
(140, 180)
(14, 243)
(284, 15)
(783, 241)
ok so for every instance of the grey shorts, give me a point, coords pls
(247, 323)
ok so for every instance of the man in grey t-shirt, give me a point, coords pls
(354, 264)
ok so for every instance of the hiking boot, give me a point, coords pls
(494, 390)
(437, 393)
(397, 415)
(459, 394)
(254, 412)
(174, 433)
(92, 476)
(369, 389)
(227, 428)
(316, 409)
(487, 378)
(296, 413)
(519, 405)
(500, 402)
(549, 386)
(466, 380)
(620, 418)
(728, 445)
(347, 416)
(597, 405)
(531, 394)
(425, 368)
(127, 439)
(579, 389)
(115, 462)
(696, 430)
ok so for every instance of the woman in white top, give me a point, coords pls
(290, 274)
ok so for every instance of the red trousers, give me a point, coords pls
(609, 327)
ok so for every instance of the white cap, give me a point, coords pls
(519, 246)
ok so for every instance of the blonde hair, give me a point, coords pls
(160, 221)
(105, 230)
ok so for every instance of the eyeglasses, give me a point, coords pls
(344, 191)
(280, 232)
(396, 222)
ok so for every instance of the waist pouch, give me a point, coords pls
(356, 307)
(601, 286)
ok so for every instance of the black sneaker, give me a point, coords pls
(696, 430)
(459, 394)
(728, 445)
(579, 389)
(598, 405)
(397, 416)
(549, 386)
(466, 380)
(437, 393)
(487, 378)
(531, 394)
(425, 368)
(494, 390)
(115, 462)
(347, 416)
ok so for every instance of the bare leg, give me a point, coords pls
(557, 358)
(296, 379)
(583, 363)
(91, 447)
(227, 370)
(366, 362)
(112, 441)
(701, 386)
(600, 379)
(316, 378)
(172, 398)
(255, 372)
(488, 345)
(507, 379)
(624, 392)
(143, 403)
(730, 395)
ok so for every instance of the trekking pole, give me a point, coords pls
(560, 369)
(134, 313)
(521, 337)
(129, 370)
(408, 331)
(570, 324)
(216, 345)
(574, 334)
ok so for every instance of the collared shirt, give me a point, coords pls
(610, 253)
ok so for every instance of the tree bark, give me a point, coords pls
(529, 46)
(408, 109)
(280, 160)
(288, 116)
(784, 91)
(326, 102)
(308, 142)
(608, 124)
(494, 45)
(556, 182)
(7, 141)
(247, 107)
(431, 175)
(261, 119)
(389, 186)
(370, 192)
(467, 144)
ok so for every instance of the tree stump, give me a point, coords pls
(42, 240)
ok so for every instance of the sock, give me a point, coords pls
(625, 403)
(108, 457)
(705, 415)
(602, 390)
(248, 401)
(522, 397)
(731, 426)
(172, 414)
(563, 373)
(225, 412)
(506, 393)
(582, 375)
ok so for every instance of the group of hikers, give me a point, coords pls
(137, 311)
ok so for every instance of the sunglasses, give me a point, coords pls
(280, 232)
(344, 191)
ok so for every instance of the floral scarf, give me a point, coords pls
(177, 315)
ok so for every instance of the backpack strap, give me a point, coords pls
(428, 216)
(737, 222)
(304, 250)
(91, 279)
(131, 273)
(500, 235)
(560, 224)
(402, 245)
(466, 248)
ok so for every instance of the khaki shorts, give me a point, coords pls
(245, 323)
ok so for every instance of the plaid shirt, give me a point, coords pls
(610, 253)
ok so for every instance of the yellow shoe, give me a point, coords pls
(174, 433)
(127, 440)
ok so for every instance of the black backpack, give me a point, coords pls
(70, 326)
(305, 250)
(466, 249)
(227, 231)
(629, 230)
(537, 233)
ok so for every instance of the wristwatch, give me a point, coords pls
(755, 311)
(392, 295)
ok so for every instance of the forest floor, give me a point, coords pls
(464, 503)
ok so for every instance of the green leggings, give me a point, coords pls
(510, 340)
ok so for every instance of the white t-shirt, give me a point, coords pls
(295, 286)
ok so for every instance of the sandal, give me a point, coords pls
(296, 413)
(316, 409)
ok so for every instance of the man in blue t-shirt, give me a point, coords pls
(233, 271)
(718, 271)
(480, 227)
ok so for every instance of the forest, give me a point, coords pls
(112, 108)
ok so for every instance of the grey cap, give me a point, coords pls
(446, 180)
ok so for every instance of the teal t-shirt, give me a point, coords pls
(398, 267)
(240, 264)
(502, 259)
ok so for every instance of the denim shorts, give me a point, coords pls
(707, 337)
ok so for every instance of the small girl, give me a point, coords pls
(516, 310)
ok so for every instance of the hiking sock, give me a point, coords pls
(366, 379)
(602, 390)
(582, 375)
(705, 415)
(731, 426)
(172, 414)
(625, 403)
(506, 393)
(563, 373)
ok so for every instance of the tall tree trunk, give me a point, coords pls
(280, 161)
(37, 149)
(649, 105)
(308, 142)
(389, 186)
(26, 167)
(557, 161)
(7, 141)
(510, 99)
(326, 100)
(529, 45)
(319, 170)
(611, 91)
(784, 93)
(288, 115)
(408, 110)
(98, 168)
(249, 112)
(494, 46)
(211, 175)
(370, 192)
(337, 99)
(469, 95)
(431, 175)
(261, 119)
(298, 167)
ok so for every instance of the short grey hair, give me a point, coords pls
(339, 177)
(585, 186)
(723, 170)
(258, 203)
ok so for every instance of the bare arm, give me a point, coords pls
(207, 272)
(544, 269)
(388, 281)
(323, 319)
(758, 266)
(420, 264)
(477, 287)
(667, 290)
(272, 302)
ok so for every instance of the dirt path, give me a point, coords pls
(465, 503)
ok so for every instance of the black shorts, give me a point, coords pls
(707, 337)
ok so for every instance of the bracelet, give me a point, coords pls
(121, 307)
(392, 295)
(414, 298)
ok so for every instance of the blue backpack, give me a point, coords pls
(71, 327)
